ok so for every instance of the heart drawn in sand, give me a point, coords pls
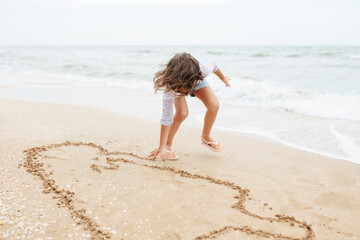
(99, 161)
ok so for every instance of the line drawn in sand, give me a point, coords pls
(33, 165)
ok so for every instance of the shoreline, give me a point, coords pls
(151, 110)
(87, 153)
(291, 145)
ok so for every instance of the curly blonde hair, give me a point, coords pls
(180, 75)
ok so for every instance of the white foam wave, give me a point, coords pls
(353, 56)
(262, 94)
(347, 145)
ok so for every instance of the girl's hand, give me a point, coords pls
(226, 80)
(156, 152)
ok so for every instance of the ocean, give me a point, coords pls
(306, 97)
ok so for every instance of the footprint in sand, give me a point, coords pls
(120, 195)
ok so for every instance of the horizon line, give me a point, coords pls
(169, 45)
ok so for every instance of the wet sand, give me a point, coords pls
(79, 172)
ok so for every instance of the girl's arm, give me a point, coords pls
(222, 77)
(164, 133)
(166, 121)
(207, 67)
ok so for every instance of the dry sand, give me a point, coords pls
(79, 172)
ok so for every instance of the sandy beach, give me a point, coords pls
(88, 89)
(76, 172)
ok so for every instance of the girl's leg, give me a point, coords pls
(181, 113)
(208, 97)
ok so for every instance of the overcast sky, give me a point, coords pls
(236, 22)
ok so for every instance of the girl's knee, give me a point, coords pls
(182, 115)
(214, 106)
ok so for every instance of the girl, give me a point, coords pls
(184, 75)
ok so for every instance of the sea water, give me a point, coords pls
(307, 97)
